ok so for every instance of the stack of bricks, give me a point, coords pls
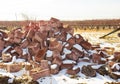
(46, 45)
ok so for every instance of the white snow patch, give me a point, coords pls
(49, 53)
(53, 66)
(60, 42)
(92, 51)
(75, 67)
(48, 80)
(63, 56)
(86, 58)
(66, 51)
(77, 46)
(116, 66)
(68, 36)
(111, 57)
(49, 62)
(20, 60)
(77, 36)
(12, 51)
(103, 59)
(10, 80)
(13, 59)
(96, 66)
(20, 73)
(8, 47)
(25, 51)
(68, 62)
(1, 33)
(23, 40)
(57, 33)
(117, 73)
(102, 45)
(66, 45)
(6, 39)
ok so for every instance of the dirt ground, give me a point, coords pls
(93, 37)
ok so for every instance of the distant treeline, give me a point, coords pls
(107, 22)
(72, 23)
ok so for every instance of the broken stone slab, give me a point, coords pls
(6, 57)
(54, 69)
(73, 71)
(37, 73)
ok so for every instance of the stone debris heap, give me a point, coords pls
(49, 47)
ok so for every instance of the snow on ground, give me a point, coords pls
(62, 77)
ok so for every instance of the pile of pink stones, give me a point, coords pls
(49, 47)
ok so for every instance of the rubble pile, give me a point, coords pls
(48, 47)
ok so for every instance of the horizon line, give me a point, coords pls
(67, 20)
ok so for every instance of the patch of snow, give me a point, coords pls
(27, 63)
(86, 58)
(66, 51)
(116, 66)
(111, 57)
(47, 80)
(80, 64)
(48, 38)
(66, 45)
(8, 47)
(103, 59)
(2, 71)
(53, 66)
(13, 59)
(117, 73)
(77, 46)
(75, 67)
(68, 62)
(25, 51)
(20, 73)
(60, 42)
(102, 45)
(10, 80)
(5, 73)
(6, 39)
(68, 36)
(20, 60)
(92, 51)
(45, 43)
(49, 53)
(1, 33)
(63, 56)
(49, 62)
(57, 33)
(12, 51)
(23, 40)
(96, 66)
(33, 58)
(77, 36)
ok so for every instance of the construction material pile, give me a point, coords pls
(47, 47)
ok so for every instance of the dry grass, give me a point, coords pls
(92, 35)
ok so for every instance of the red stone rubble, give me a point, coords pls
(46, 45)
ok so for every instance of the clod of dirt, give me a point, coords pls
(88, 71)
(4, 79)
(103, 70)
